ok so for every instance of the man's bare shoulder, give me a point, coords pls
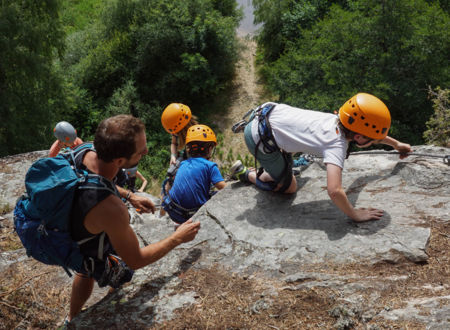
(109, 212)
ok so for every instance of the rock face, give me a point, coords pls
(282, 237)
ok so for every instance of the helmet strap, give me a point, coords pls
(366, 144)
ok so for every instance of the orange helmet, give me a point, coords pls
(175, 116)
(367, 115)
(200, 133)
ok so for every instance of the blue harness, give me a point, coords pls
(270, 146)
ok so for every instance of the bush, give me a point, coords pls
(438, 132)
(391, 49)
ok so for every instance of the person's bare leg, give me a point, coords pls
(82, 287)
(292, 187)
(264, 177)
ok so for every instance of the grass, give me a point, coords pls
(5, 208)
(9, 241)
(32, 295)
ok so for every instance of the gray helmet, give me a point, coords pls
(65, 132)
(131, 172)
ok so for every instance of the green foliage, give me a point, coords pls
(283, 21)
(392, 49)
(186, 51)
(230, 157)
(78, 14)
(141, 55)
(120, 56)
(438, 127)
(31, 37)
(173, 50)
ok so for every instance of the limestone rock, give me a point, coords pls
(279, 236)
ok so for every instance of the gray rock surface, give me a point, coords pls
(265, 234)
(12, 174)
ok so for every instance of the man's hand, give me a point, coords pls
(363, 214)
(403, 149)
(142, 203)
(173, 160)
(187, 231)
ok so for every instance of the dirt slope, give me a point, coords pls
(247, 92)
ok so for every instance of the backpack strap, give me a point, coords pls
(98, 182)
(93, 182)
(90, 180)
(79, 151)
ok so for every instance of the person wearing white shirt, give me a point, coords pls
(275, 131)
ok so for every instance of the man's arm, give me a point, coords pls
(139, 202)
(339, 197)
(111, 216)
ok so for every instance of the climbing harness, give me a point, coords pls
(178, 213)
(269, 146)
(265, 130)
(240, 125)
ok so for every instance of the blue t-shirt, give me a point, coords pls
(193, 181)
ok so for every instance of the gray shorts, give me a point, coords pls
(273, 163)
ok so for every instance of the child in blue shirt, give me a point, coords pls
(191, 187)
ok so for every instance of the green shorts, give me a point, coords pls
(273, 163)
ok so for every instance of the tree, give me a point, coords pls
(284, 21)
(31, 37)
(392, 49)
(144, 54)
(186, 49)
(172, 50)
(438, 131)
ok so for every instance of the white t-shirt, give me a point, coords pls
(307, 131)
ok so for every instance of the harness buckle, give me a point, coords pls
(239, 126)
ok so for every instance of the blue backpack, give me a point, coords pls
(41, 216)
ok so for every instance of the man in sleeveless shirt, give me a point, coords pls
(120, 142)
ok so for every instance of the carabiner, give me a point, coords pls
(447, 160)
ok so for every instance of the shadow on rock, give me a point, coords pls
(137, 309)
(275, 210)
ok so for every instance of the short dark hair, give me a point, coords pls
(347, 133)
(116, 137)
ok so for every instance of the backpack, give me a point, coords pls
(41, 216)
